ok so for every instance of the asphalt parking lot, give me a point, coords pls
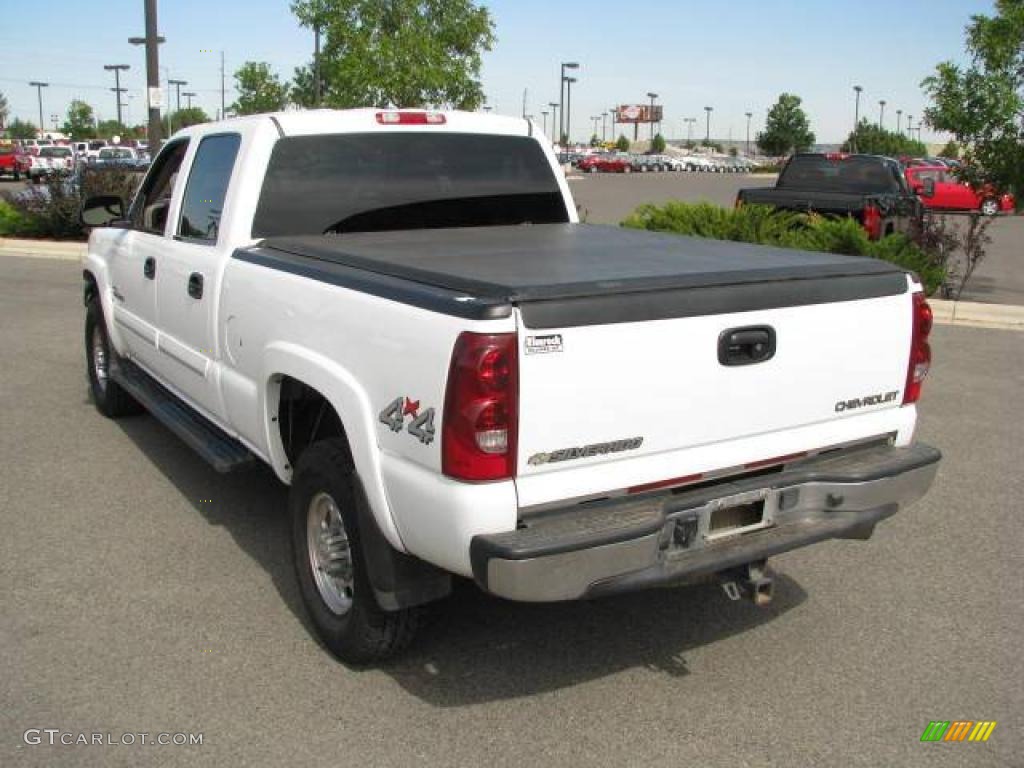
(609, 198)
(145, 593)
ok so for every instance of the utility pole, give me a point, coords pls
(154, 98)
(39, 91)
(118, 90)
(749, 115)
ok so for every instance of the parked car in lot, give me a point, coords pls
(557, 411)
(940, 189)
(38, 162)
(601, 163)
(698, 163)
(869, 188)
(120, 156)
(650, 163)
(9, 161)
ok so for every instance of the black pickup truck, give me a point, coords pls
(870, 188)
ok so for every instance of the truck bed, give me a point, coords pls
(808, 200)
(575, 274)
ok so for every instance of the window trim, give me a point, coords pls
(176, 235)
(154, 169)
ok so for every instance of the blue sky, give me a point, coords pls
(735, 57)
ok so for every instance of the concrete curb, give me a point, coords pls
(42, 249)
(972, 313)
(969, 313)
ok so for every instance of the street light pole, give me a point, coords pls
(188, 95)
(899, 121)
(118, 90)
(604, 126)
(151, 41)
(39, 91)
(749, 115)
(707, 135)
(568, 109)
(881, 114)
(689, 129)
(544, 115)
(910, 126)
(555, 125)
(650, 116)
(177, 90)
(561, 97)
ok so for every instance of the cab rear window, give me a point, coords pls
(405, 180)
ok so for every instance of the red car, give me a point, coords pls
(940, 190)
(605, 164)
(9, 161)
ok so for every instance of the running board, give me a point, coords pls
(223, 452)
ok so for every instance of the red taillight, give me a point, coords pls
(872, 222)
(920, 351)
(410, 118)
(478, 437)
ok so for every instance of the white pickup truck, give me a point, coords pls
(399, 313)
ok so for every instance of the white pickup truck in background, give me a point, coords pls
(399, 313)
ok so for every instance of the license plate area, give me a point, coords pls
(736, 519)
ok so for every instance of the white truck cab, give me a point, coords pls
(398, 312)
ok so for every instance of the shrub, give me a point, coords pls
(51, 209)
(13, 223)
(806, 232)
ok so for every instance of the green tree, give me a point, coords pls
(183, 118)
(622, 144)
(658, 143)
(951, 150)
(259, 89)
(4, 111)
(107, 129)
(302, 91)
(402, 53)
(982, 104)
(786, 128)
(595, 140)
(21, 129)
(81, 121)
(871, 139)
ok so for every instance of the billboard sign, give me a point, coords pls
(638, 113)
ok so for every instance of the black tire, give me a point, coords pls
(363, 633)
(108, 396)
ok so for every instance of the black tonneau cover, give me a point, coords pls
(576, 274)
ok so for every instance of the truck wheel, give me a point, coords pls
(330, 564)
(989, 206)
(108, 396)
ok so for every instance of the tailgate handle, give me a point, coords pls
(746, 346)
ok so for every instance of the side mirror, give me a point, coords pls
(928, 188)
(102, 211)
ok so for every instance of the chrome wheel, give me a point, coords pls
(990, 207)
(100, 361)
(330, 556)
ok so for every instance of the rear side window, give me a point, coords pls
(368, 182)
(207, 187)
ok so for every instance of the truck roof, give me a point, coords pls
(315, 121)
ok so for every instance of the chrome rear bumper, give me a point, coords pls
(635, 542)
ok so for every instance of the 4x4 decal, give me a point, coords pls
(422, 425)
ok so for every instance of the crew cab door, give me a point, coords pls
(137, 252)
(191, 268)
